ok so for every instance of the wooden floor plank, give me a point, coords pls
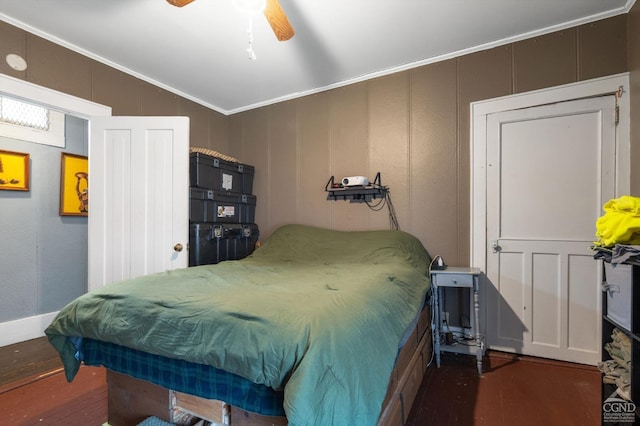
(54, 401)
(26, 359)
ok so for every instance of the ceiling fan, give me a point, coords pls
(273, 12)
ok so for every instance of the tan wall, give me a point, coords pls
(634, 68)
(413, 127)
(56, 67)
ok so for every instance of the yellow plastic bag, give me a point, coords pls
(620, 223)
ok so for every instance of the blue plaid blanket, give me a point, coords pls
(184, 376)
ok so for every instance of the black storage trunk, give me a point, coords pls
(214, 173)
(211, 243)
(241, 239)
(207, 205)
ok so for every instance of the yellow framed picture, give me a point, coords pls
(14, 171)
(74, 185)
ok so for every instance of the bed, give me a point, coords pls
(318, 326)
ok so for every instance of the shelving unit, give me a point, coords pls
(614, 410)
(362, 193)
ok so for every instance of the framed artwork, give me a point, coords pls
(74, 185)
(14, 171)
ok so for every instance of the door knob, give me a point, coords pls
(178, 247)
(495, 246)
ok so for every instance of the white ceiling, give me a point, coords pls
(199, 51)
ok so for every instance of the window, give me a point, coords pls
(30, 122)
(24, 114)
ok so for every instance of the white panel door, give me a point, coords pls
(549, 170)
(138, 197)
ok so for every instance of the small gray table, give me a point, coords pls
(457, 277)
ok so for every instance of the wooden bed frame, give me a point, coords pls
(130, 400)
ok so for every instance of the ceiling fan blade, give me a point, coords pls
(179, 3)
(278, 20)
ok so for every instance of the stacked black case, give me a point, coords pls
(221, 210)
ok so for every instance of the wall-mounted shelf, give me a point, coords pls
(356, 194)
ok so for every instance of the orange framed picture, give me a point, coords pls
(74, 185)
(14, 171)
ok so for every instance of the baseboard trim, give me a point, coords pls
(25, 328)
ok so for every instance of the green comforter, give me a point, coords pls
(315, 312)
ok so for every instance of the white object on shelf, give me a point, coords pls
(355, 181)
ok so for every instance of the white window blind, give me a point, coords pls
(30, 122)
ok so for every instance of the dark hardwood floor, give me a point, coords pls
(26, 360)
(34, 391)
(513, 390)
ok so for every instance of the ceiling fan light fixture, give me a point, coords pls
(250, 6)
(179, 3)
(271, 9)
